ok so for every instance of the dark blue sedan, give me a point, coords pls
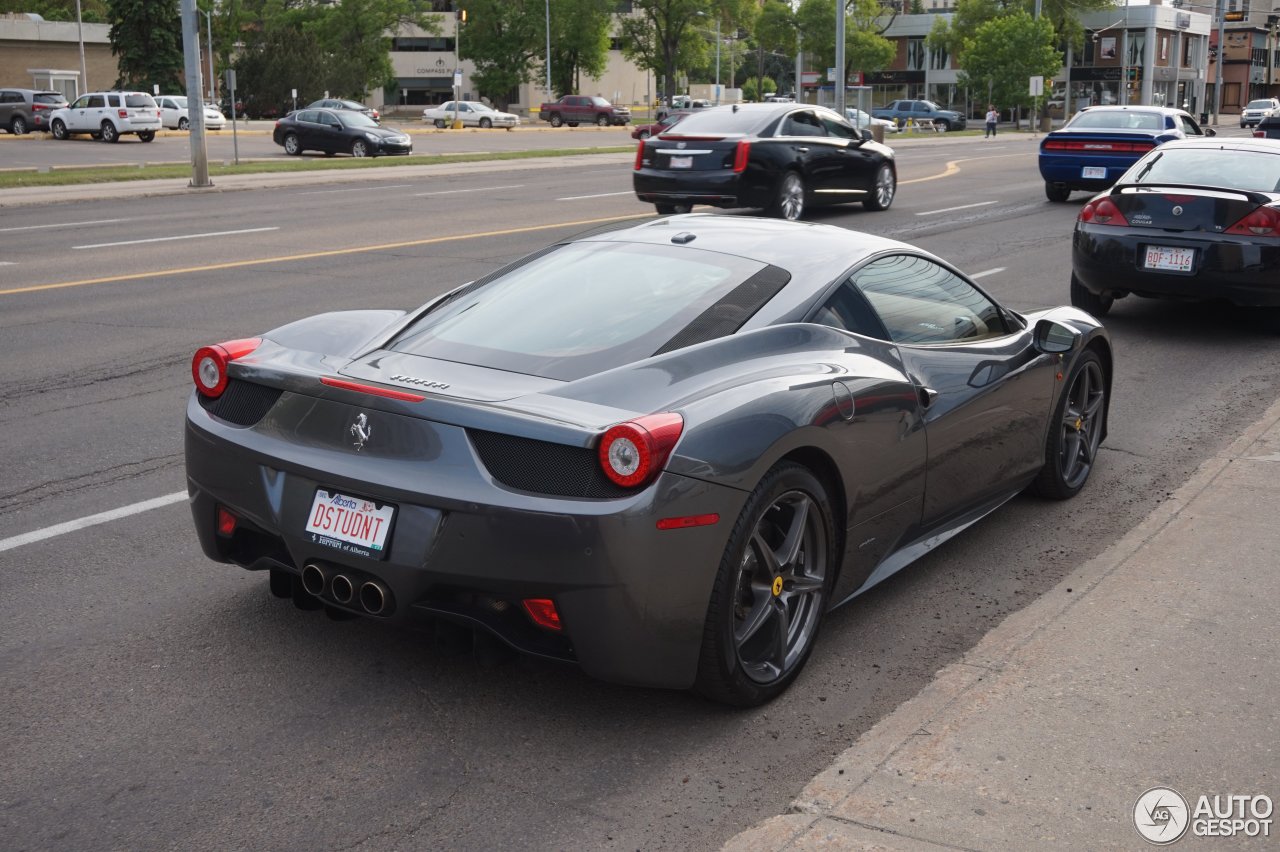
(1101, 143)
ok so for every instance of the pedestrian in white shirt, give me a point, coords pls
(992, 118)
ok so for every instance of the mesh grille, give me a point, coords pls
(242, 403)
(543, 467)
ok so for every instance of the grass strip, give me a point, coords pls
(106, 174)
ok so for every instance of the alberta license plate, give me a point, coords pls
(682, 162)
(350, 524)
(1173, 259)
(1094, 173)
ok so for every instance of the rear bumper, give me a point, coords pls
(1068, 171)
(632, 599)
(1106, 259)
(716, 188)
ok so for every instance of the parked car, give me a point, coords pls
(471, 114)
(107, 116)
(899, 112)
(1268, 127)
(24, 110)
(662, 453)
(671, 119)
(1097, 146)
(338, 131)
(1192, 219)
(1254, 111)
(581, 109)
(342, 103)
(174, 113)
(782, 157)
(860, 119)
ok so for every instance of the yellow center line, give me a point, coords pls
(213, 267)
(953, 168)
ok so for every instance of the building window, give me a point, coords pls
(915, 54)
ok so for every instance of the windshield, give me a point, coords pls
(1119, 120)
(579, 309)
(355, 119)
(1253, 170)
(1263, 104)
(181, 102)
(600, 102)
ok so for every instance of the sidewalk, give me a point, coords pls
(1155, 664)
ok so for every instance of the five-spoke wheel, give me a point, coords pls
(1075, 433)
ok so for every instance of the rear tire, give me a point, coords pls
(1056, 192)
(884, 189)
(291, 145)
(109, 133)
(771, 590)
(18, 127)
(440, 123)
(672, 209)
(58, 129)
(789, 203)
(147, 135)
(1086, 300)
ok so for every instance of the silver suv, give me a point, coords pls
(23, 110)
(108, 116)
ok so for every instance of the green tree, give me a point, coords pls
(579, 42)
(866, 48)
(146, 39)
(91, 11)
(504, 39)
(665, 36)
(754, 89)
(1005, 52)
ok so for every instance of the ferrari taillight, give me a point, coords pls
(1263, 222)
(740, 156)
(1102, 211)
(632, 453)
(640, 156)
(209, 366)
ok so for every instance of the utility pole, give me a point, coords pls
(84, 74)
(839, 82)
(551, 97)
(1222, 59)
(195, 103)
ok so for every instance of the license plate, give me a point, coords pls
(350, 524)
(1094, 173)
(682, 162)
(1173, 259)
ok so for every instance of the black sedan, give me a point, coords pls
(1195, 219)
(661, 453)
(779, 157)
(335, 131)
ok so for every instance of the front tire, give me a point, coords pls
(1075, 433)
(291, 145)
(109, 133)
(944, 125)
(486, 123)
(555, 119)
(1088, 301)
(184, 123)
(790, 199)
(771, 590)
(1056, 192)
(602, 121)
(18, 127)
(58, 129)
(884, 189)
(359, 148)
(644, 134)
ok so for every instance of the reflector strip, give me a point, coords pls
(372, 390)
(688, 521)
(543, 612)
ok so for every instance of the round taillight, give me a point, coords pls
(632, 453)
(209, 370)
(209, 365)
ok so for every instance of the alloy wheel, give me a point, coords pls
(1081, 425)
(791, 197)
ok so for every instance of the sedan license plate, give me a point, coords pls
(350, 524)
(1094, 173)
(682, 162)
(1167, 258)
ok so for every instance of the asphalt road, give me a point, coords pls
(35, 150)
(150, 699)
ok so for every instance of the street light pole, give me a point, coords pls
(549, 95)
(840, 81)
(717, 61)
(84, 74)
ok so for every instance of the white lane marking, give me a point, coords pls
(984, 273)
(64, 225)
(477, 189)
(961, 207)
(8, 263)
(180, 237)
(600, 195)
(91, 520)
(356, 189)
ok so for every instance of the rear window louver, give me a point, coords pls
(728, 314)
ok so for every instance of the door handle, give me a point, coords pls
(927, 396)
(803, 150)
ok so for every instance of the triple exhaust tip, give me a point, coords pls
(373, 597)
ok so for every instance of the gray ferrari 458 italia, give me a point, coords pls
(661, 453)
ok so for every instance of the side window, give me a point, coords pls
(922, 302)
(837, 128)
(919, 106)
(309, 115)
(1189, 127)
(447, 106)
(113, 100)
(10, 98)
(847, 309)
(96, 102)
(463, 108)
(802, 123)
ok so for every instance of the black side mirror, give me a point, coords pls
(1209, 131)
(866, 135)
(1054, 338)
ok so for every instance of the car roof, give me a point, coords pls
(1135, 108)
(1237, 143)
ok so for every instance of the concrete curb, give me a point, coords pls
(811, 821)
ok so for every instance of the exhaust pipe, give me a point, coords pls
(373, 598)
(341, 589)
(313, 579)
